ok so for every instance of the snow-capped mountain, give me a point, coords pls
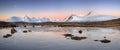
(72, 18)
(27, 19)
(15, 19)
(89, 18)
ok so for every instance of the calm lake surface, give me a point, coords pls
(60, 38)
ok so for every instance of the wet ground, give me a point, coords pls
(60, 38)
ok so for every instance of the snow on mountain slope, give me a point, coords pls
(89, 18)
(27, 19)
(34, 20)
(19, 19)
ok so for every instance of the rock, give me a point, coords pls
(29, 30)
(68, 35)
(83, 37)
(105, 41)
(75, 38)
(80, 31)
(13, 31)
(96, 40)
(7, 35)
(78, 38)
(24, 25)
(25, 31)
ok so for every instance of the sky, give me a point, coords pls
(57, 9)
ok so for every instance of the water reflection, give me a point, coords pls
(64, 38)
(33, 26)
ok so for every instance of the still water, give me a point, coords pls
(60, 38)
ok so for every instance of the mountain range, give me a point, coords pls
(71, 18)
(27, 19)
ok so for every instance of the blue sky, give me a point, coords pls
(30, 7)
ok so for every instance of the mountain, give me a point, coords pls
(27, 19)
(89, 18)
(18, 19)
(14, 18)
(72, 18)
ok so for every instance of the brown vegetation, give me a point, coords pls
(115, 22)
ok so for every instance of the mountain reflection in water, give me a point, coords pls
(60, 38)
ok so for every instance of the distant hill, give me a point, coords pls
(109, 23)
